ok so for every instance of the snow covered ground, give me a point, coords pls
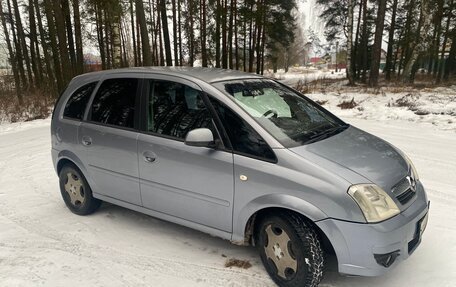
(42, 243)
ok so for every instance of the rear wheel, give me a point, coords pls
(76, 192)
(290, 250)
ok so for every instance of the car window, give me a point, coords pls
(291, 118)
(114, 103)
(76, 104)
(174, 109)
(243, 137)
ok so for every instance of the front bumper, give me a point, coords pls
(356, 244)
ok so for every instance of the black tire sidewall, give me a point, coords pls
(90, 204)
(301, 248)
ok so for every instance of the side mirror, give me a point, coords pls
(200, 137)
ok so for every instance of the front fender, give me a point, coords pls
(273, 201)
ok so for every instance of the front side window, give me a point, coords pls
(175, 109)
(244, 139)
(76, 104)
(114, 103)
(292, 119)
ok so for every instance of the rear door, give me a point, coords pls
(191, 183)
(110, 137)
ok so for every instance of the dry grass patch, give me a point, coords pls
(233, 262)
(36, 105)
(346, 105)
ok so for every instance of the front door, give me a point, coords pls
(191, 183)
(111, 140)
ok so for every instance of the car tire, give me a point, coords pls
(301, 261)
(76, 192)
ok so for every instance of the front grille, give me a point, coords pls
(403, 191)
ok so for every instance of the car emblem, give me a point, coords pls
(412, 183)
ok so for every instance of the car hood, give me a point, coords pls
(369, 156)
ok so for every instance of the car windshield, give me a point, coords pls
(288, 116)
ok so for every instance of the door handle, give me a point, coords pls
(149, 157)
(86, 140)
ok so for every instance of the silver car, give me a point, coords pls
(241, 157)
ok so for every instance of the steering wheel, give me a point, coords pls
(269, 112)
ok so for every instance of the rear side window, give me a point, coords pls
(77, 103)
(244, 139)
(114, 103)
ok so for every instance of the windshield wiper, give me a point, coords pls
(326, 134)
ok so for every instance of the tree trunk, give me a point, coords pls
(69, 30)
(244, 49)
(19, 43)
(133, 35)
(54, 47)
(260, 11)
(355, 63)
(365, 43)
(419, 43)
(224, 36)
(217, 34)
(78, 38)
(450, 66)
(147, 56)
(191, 41)
(44, 44)
(155, 31)
(263, 44)
(441, 64)
(230, 34)
(377, 48)
(176, 57)
(236, 39)
(63, 47)
(251, 41)
(164, 18)
(34, 49)
(107, 39)
(12, 57)
(138, 43)
(116, 39)
(203, 33)
(100, 35)
(389, 53)
(349, 70)
(181, 56)
(434, 59)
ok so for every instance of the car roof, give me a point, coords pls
(208, 75)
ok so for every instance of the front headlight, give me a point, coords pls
(374, 202)
(412, 167)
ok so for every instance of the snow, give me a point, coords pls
(436, 107)
(43, 243)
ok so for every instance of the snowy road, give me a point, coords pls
(42, 243)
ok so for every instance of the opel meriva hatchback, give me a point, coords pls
(243, 158)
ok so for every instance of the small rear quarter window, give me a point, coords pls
(77, 103)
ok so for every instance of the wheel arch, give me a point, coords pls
(257, 209)
(68, 157)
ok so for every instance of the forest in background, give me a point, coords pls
(46, 40)
(419, 34)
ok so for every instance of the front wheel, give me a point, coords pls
(76, 192)
(290, 250)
